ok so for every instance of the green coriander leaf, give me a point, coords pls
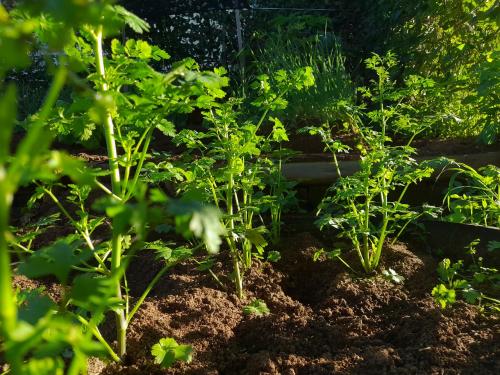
(257, 307)
(167, 351)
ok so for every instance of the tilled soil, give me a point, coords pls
(322, 321)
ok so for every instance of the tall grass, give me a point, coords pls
(323, 53)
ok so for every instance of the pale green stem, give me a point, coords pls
(126, 175)
(146, 292)
(366, 228)
(78, 364)
(97, 334)
(337, 166)
(383, 231)
(116, 240)
(109, 128)
(234, 250)
(8, 310)
(138, 169)
(121, 322)
(106, 190)
(382, 110)
(130, 154)
(83, 233)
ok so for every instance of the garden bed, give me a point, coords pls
(322, 320)
(183, 249)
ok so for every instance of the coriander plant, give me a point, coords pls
(476, 283)
(231, 163)
(121, 94)
(34, 331)
(368, 206)
(130, 99)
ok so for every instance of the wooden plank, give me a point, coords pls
(322, 172)
(450, 239)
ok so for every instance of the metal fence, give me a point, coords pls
(213, 32)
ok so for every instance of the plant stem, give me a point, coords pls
(97, 334)
(383, 231)
(106, 190)
(382, 110)
(109, 129)
(85, 234)
(8, 312)
(121, 321)
(238, 279)
(234, 250)
(138, 169)
(337, 166)
(150, 286)
(77, 365)
(380, 243)
(116, 240)
(276, 213)
(366, 228)
(8, 184)
(346, 265)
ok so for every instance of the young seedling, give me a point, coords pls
(474, 283)
(257, 307)
(167, 351)
(392, 276)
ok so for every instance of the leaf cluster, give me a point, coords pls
(473, 196)
(476, 283)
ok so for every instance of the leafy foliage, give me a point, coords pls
(123, 94)
(240, 172)
(257, 307)
(360, 205)
(473, 196)
(56, 260)
(392, 276)
(167, 351)
(477, 284)
(286, 45)
(452, 42)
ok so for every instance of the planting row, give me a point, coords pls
(229, 191)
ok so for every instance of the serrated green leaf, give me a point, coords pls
(94, 293)
(257, 307)
(279, 131)
(56, 260)
(167, 351)
(200, 220)
(135, 23)
(166, 127)
(273, 256)
(35, 305)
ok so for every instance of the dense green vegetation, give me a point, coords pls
(427, 70)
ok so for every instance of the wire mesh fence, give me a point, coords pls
(212, 32)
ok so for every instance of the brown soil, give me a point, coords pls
(322, 321)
